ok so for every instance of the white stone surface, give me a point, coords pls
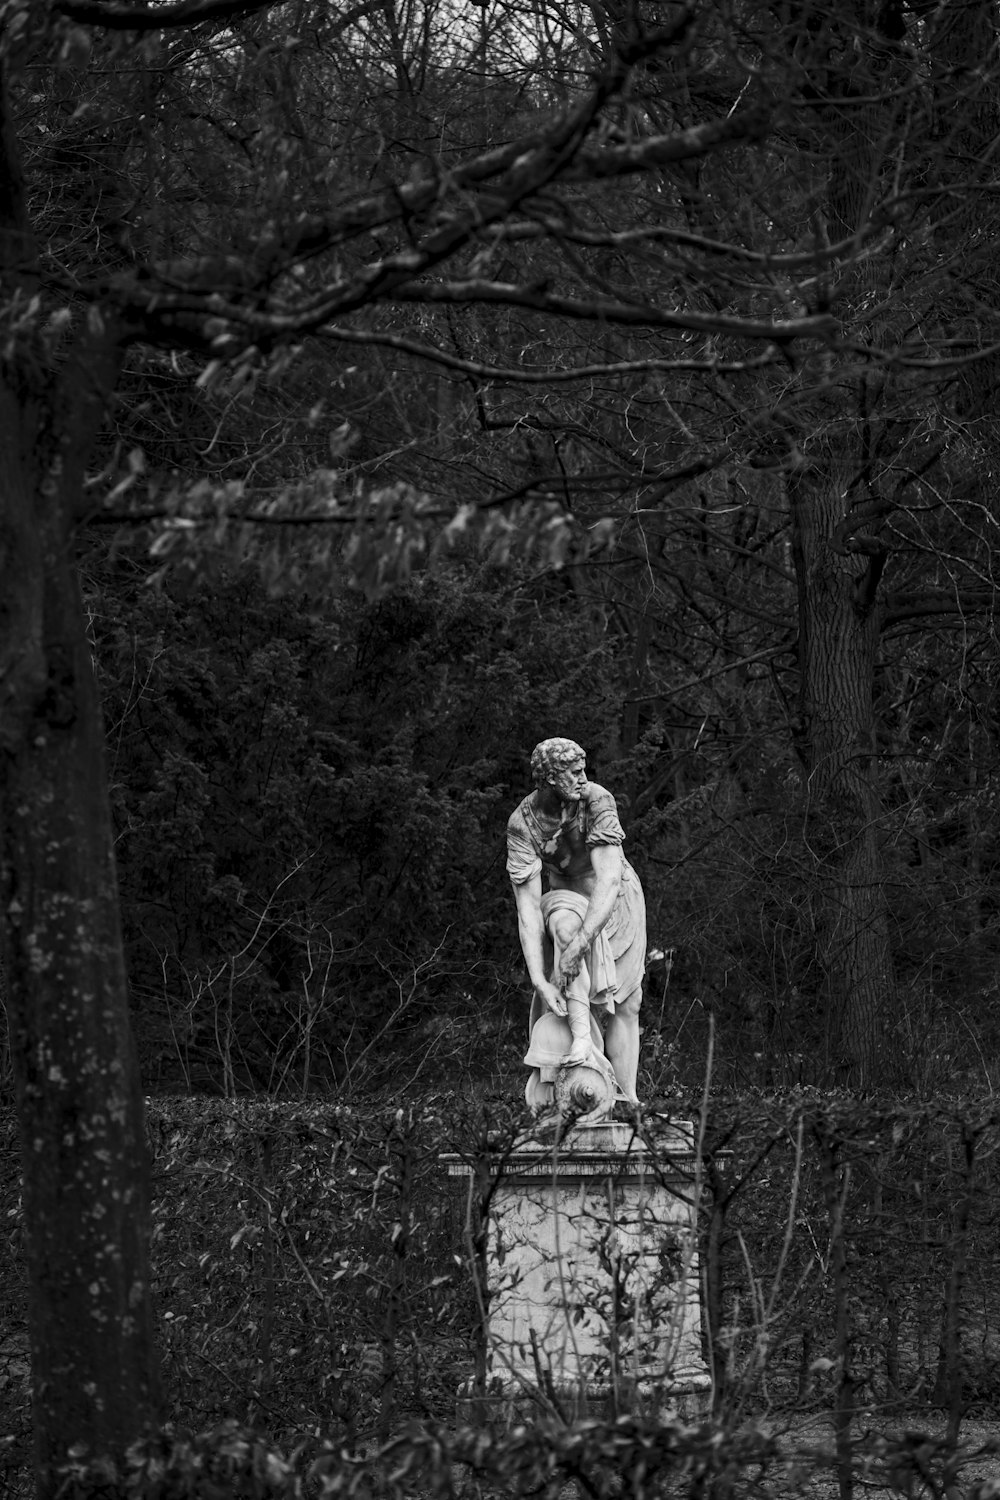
(593, 1282)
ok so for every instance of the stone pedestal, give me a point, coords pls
(592, 1273)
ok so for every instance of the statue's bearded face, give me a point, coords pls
(570, 779)
(562, 764)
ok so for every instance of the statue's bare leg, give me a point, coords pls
(563, 927)
(621, 1043)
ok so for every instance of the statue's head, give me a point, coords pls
(552, 759)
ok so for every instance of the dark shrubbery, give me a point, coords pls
(310, 799)
(315, 1281)
(311, 807)
(631, 1457)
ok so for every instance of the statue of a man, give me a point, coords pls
(584, 935)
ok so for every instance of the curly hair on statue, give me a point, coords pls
(550, 756)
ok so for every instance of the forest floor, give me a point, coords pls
(809, 1447)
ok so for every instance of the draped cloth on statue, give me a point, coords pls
(616, 959)
(600, 959)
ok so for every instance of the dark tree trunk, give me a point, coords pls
(837, 510)
(86, 1203)
(78, 1101)
(838, 639)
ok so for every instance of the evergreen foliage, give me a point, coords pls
(310, 808)
(310, 794)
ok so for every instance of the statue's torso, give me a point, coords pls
(561, 841)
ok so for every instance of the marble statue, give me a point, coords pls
(581, 920)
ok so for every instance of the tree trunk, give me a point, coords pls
(838, 639)
(79, 1107)
(85, 1189)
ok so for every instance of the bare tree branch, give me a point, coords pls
(160, 18)
(750, 123)
(778, 330)
(857, 246)
(418, 196)
(545, 375)
(899, 609)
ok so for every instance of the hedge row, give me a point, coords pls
(314, 1265)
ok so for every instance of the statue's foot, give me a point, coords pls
(579, 1052)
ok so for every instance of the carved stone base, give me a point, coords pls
(592, 1275)
(585, 1090)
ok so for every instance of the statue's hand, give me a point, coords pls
(571, 960)
(552, 997)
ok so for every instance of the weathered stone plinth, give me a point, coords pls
(592, 1273)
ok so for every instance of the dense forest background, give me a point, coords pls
(310, 804)
(691, 459)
